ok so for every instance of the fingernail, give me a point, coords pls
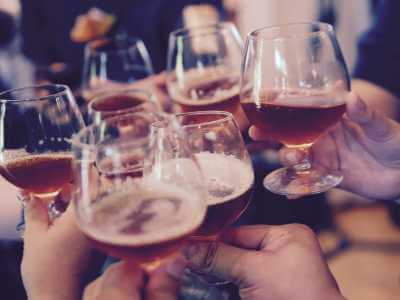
(190, 251)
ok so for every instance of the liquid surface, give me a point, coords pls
(117, 102)
(144, 216)
(295, 120)
(44, 173)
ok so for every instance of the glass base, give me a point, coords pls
(288, 182)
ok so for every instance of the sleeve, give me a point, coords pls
(379, 48)
(35, 45)
(7, 28)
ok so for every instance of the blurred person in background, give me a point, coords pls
(15, 70)
(54, 32)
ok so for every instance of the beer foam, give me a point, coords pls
(220, 81)
(226, 176)
(136, 217)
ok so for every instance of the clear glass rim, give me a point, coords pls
(226, 117)
(99, 97)
(63, 91)
(133, 42)
(323, 28)
(187, 32)
(76, 140)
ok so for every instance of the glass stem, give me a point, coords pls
(304, 165)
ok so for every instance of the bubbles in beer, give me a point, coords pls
(151, 213)
(226, 176)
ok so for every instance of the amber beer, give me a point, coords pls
(114, 104)
(230, 184)
(294, 122)
(146, 225)
(220, 94)
(39, 174)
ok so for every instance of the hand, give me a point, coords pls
(268, 263)
(125, 281)
(57, 258)
(364, 147)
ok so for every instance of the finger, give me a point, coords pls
(36, 216)
(219, 259)
(160, 78)
(250, 237)
(120, 281)
(375, 126)
(162, 285)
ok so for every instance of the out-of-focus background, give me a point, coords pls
(360, 237)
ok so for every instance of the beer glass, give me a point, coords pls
(203, 68)
(119, 102)
(110, 63)
(293, 88)
(36, 126)
(216, 141)
(144, 220)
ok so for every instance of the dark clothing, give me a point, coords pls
(46, 26)
(379, 48)
(7, 28)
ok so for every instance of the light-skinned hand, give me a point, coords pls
(57, 257)
(364, 147)
(268, 263)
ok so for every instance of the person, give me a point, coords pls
(46, 27)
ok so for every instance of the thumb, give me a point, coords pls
(375, 126)
(218, 259)
(36, 217)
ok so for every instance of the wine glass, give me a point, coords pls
(293, 88)
(216, 141)
(144, 220)
(118, 145)
(110, 63)
(203, 68)
(119, 102)
(35, 154)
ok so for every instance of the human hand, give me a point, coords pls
(57, 257)
(268, 263)
(125, 281)
(364, 147)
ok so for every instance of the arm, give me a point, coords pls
(378, 64)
